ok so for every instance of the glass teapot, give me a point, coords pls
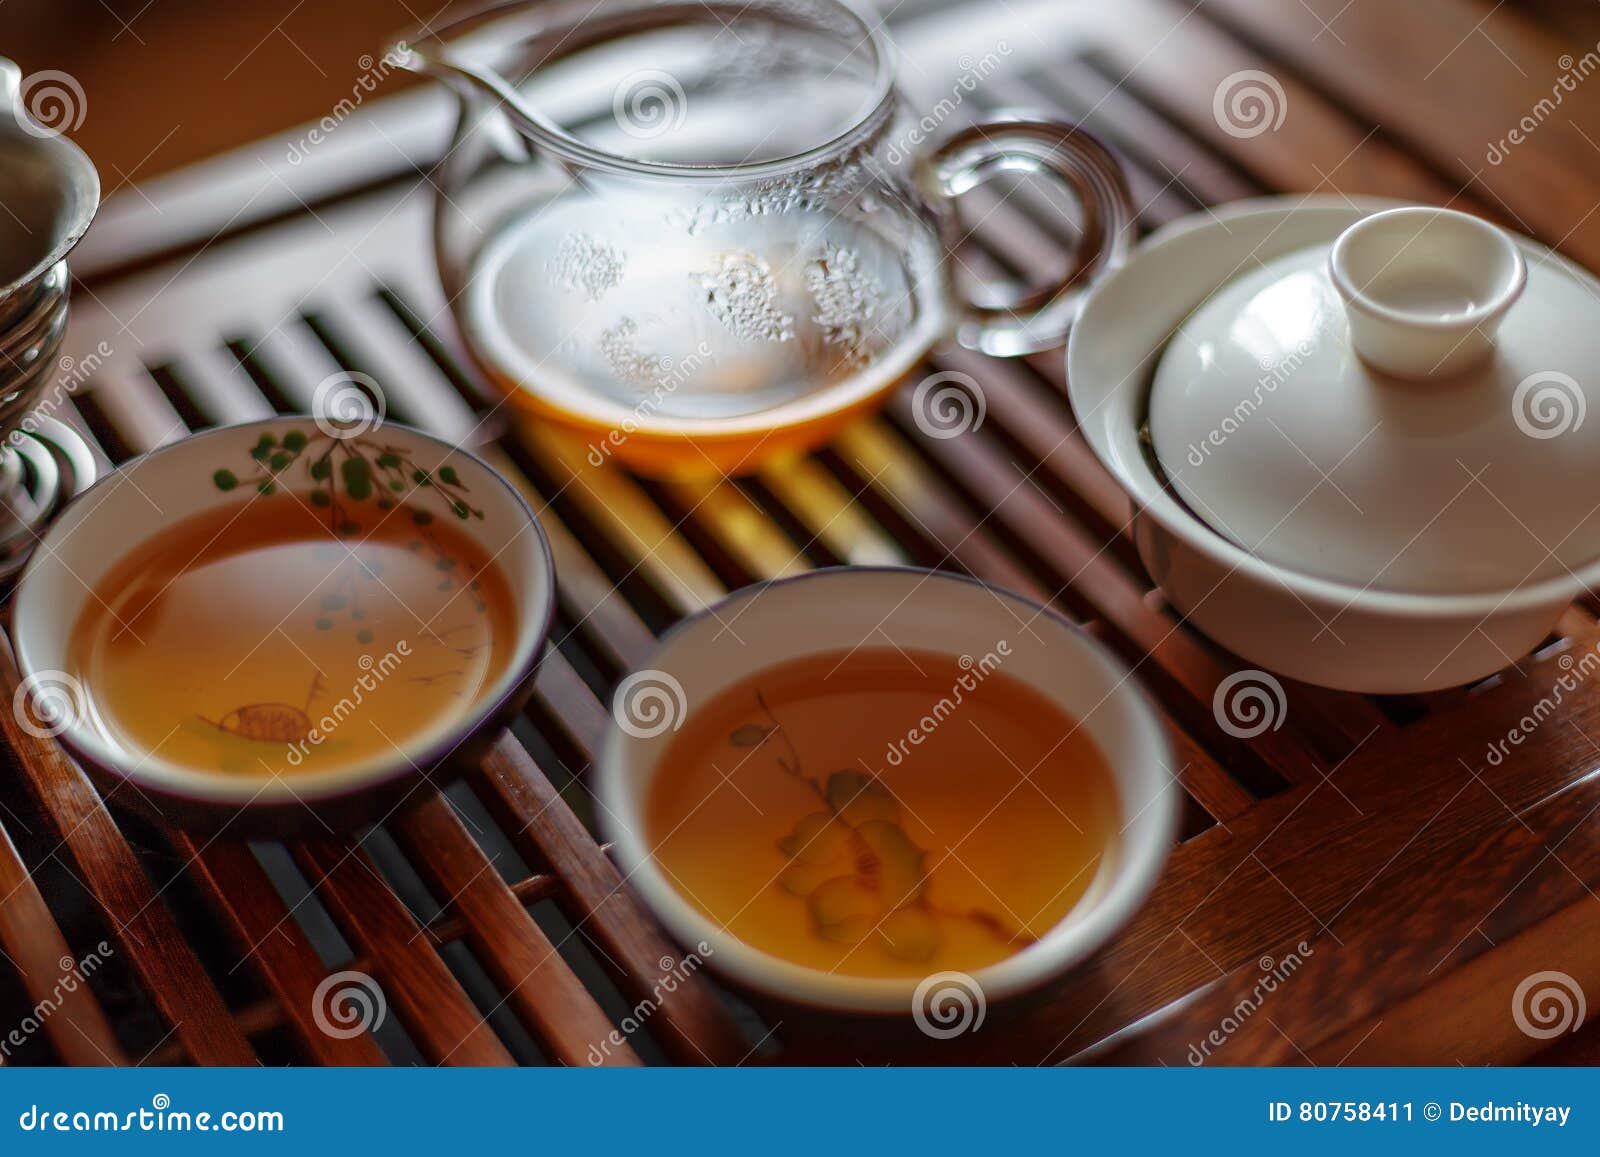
(698, 232)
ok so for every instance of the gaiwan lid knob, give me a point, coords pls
(1425, 290)
(1401, 410)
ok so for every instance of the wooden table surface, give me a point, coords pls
(1415, 886)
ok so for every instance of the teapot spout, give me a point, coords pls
(471, 81)
(433, 64)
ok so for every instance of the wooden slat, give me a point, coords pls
(1151, 139)
(290, 358)
(235, 397)
(1425, 70)
(615, 503)
(1464, 1015)
(141, 417)
(741, 528)
(438, 1015)
(690, 1022)
(829, 514)
(33, 943)
(880, 457)
(382, 349)
(1162, 50)
(144, 929)
(549, 999)
(598, 607)
(272, 943)
(1051, 441)
(1358, 976)
(573, 704)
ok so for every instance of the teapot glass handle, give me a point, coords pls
(1007, 319)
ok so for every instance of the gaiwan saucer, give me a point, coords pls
(127, 654)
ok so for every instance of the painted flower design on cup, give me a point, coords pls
(865, 881)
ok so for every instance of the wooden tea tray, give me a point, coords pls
(1424, 882)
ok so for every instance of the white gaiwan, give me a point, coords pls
(1399, 410)
(1372, 466)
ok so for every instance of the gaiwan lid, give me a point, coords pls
(1404, 410)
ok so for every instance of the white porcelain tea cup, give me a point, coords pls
(215, 471)
(837, 610)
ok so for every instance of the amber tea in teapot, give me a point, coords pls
(699, 310)
(696, 231)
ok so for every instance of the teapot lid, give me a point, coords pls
(1403, 410)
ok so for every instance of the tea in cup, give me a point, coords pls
(847, 782)
(283, 622)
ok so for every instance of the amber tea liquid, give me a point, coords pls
(883, 813)
(254, 640)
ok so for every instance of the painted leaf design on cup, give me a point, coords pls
(749, 735)
(347, 472)
(271, 722)
(267, 722)
(349, 477)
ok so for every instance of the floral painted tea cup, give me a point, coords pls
(218, 471)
